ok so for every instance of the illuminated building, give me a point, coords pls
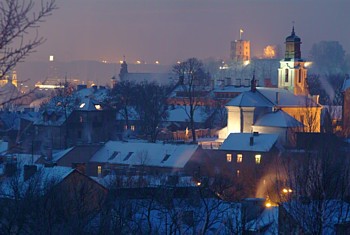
(9, 79)
(293, 69)
(240, 49)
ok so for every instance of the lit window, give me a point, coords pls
(239, 157)
(257, 159)
(98, 107)
(99, 171)
(82, 105)
(229, 157)
(132, 127)
(237, 173)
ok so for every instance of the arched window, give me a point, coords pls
(300, 73)
(286, 76)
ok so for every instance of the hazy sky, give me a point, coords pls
(171, 30)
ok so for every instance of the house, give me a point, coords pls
(37, 199)
(134, 158)
(81, 118)
(244, 161)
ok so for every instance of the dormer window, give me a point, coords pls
(98, 107)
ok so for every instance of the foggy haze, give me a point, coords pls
(169, 30)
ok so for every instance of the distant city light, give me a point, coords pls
(157, 61)
(51, 58)
(138, 62)
(120, 61)
(104, 61)
(98, 107)
(82, 105)
(270, 51)
(178, 62)
(308, 64)
(246, 62)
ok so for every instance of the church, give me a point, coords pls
(284, 110)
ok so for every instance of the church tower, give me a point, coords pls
(292, 73)
(123, 70)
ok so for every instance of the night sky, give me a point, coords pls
(171, 30)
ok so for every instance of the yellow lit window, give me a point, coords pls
(239, 157)
(229, 157)
(99, 170)
(257, 159)
(132, 127)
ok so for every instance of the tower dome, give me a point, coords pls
(293, 43)
(293, 37)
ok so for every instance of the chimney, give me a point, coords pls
(277, 101)
(94, 88)
(253, 84)
(29, 171)
(251, 141)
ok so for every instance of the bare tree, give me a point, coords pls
(19, 21)
(122, 96)
(151, 107)
(192, 82)
(313, 186)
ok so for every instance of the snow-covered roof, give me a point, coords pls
(278, 119)
(250, 99)
(285, 97)
(267, 219)
(269, 97)
(31, 116)
(59, 154)
(9, 121)
(148, 180)
(241, 142)
(132, 114)
(42, 177)
(99, 94)
(179, 114)
(149, 154)
(89, 104)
